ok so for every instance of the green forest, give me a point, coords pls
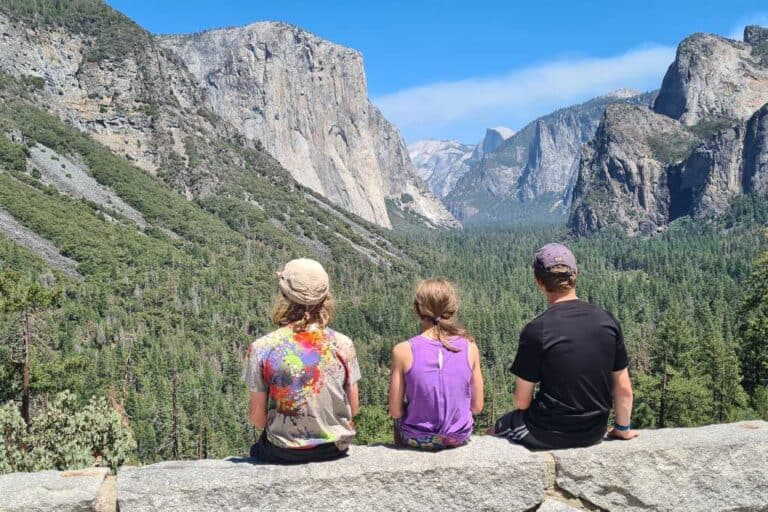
(138, 356)
(161, 330)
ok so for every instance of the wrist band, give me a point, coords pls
(621, 428)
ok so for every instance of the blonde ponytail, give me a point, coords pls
(436, 301)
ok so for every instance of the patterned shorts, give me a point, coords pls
(428, 443)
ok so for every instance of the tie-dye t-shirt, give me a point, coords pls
(305, 374)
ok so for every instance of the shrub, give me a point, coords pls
(64, 436)
(13, 157)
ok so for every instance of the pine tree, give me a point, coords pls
(753, 331)
(722, 367)
(672, 357)
(25, 298)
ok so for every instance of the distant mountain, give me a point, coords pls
(531, 173)
(494, 138)
(441, 163)
(704, 142)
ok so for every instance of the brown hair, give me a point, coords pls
(559, 278)
(284, 312)
(436, 302)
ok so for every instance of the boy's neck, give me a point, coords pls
(557, 297)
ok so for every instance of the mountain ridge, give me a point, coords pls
(701, 145)
(530, 175)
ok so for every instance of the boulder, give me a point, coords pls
(488, 474)
(46, 491)
(719, 467)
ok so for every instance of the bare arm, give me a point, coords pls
(258, 409)
(478, 393)
(523, 393)
(622, 403)
(397, 380)
(353, 395)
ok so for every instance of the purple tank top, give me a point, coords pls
(438, 389)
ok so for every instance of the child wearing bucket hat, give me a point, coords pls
(303, 376)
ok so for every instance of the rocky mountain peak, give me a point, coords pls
(703, 144)
(494, 137)
(530, 175)
(756, 35)
(622, 93)
(440, 163)
(713, 77)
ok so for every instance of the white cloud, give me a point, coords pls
(432, 109)
(760, 18)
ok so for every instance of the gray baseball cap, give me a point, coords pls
(552, 255)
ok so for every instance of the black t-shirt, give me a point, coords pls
(571, 350)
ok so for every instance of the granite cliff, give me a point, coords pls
(140, 142)
(305, 100)
(702, 144)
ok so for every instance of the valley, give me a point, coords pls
(154, 184)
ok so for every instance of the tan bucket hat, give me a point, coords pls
(304, 281)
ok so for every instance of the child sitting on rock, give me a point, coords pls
(303, 376)
(436, 383)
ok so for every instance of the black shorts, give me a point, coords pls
(512, 427)
(265, 451)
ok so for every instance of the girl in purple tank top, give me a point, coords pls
(436, 382)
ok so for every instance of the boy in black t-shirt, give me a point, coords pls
(575, 351)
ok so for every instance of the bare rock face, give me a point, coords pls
(755, 175)
(705, 184)
(718, 467)
(711, 147)
(441, 163)
(116, 84)
(305, 100)
(533, 171)
(623, 178)
(713, 77)
(494, 138)
(65, 491)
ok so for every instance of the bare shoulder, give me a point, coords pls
(401, 349)
(401, 355)
(473, 354)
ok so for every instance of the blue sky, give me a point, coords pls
(449, 69)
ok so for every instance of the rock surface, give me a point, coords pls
(138, 100)
(532, 172)
(305, 99)
(711, 148)
(441, 163)
(489, 474)
(623, 172)
(25, 237)
(75, 491)
(71, 178)
(713, 77)
(493, 139)
(714, 468)
(719, 467)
